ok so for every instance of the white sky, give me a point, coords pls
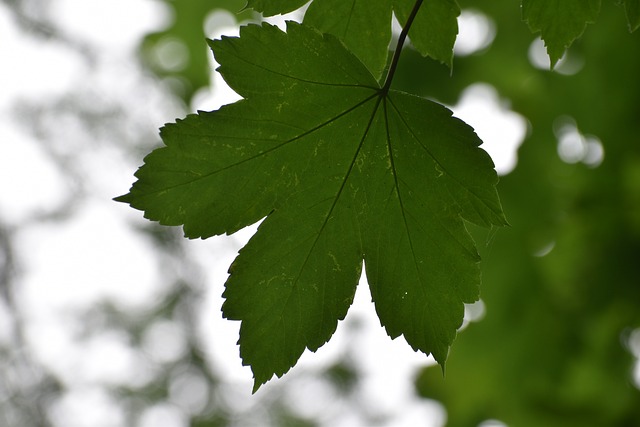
(94, 255)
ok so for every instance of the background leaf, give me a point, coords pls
(365, 26)
(559, 22)
(362, 25)
(435, 27)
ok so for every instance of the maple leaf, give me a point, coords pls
(559, 22)
(344, 170)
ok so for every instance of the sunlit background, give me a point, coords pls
(107, 320)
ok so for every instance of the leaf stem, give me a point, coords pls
(396, 54)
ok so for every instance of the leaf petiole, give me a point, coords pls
(396, 55)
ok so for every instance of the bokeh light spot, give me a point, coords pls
(476, 32)
(170, 54)
(501, 129)
(163, 414)
(574, 147)
(164, 341)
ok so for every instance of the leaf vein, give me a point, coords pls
(272, 149)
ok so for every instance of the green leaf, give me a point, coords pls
(343, 171)
(632, 9)
(362, 25)
(435, 27)
(560, 22)
(275, 7)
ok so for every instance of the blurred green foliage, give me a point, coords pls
(186, 32)
(552, 348)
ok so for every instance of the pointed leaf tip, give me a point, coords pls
(559, 22)
(125, 198)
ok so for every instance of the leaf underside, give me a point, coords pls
(559, 22)
(343, 172)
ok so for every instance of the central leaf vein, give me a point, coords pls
(337, 197)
